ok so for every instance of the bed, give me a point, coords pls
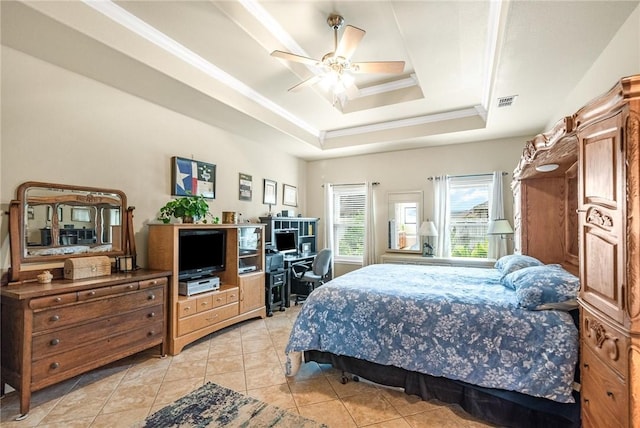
(501, 342)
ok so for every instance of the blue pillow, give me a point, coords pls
(544, 287)
(514, 262)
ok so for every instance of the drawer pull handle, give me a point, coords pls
(130, 287)
(54, 318)
(609, 394)
(151, 333)
(152, 314)
(57, 299)
(585, 365)
(586, 401)
(54, 342)
(187, 308)
(92, 293)
(54, 365)
(154, 282)
(152, 296)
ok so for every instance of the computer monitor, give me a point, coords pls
(286, 241)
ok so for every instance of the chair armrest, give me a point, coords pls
(298, 270)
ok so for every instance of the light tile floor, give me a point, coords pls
(249, 358)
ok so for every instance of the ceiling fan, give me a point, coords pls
(336, 67)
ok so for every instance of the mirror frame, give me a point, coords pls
(18, 213)
(416, 196)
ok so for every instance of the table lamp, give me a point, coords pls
(428, 229)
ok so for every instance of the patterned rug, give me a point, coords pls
(212, 405)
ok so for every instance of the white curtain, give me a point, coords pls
(497, 245)
(369, 256)
(328, 220)
(441, 215)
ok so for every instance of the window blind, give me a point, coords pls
(349, 222)
(469, 215)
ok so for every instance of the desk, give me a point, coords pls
(292, 282)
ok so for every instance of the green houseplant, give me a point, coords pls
(190, 209)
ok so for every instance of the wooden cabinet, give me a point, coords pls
(590, 214)
(56, 331)
(609, 227)
(241, 295)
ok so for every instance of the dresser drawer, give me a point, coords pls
(232, 295)
(153, 282)
(66, 339)
(90, 310)
(51, 301)
(186, 307)
(46, 370)
(605, 342)
(604, 393)
(205, 319)
(106, 291)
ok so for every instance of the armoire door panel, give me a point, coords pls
(600, 282)
(599, 169)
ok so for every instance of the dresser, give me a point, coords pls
(52, 332)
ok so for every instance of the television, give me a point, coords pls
(286, 241)
(201, 252)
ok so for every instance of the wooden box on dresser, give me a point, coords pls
(241, 296)
(52, 332)
(608, 130)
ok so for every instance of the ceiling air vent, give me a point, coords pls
(506, 101)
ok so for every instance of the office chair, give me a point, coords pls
(315, 276)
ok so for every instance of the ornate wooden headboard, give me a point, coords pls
(545, 203)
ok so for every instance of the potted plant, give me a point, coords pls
(190, 209)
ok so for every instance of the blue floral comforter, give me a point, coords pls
(458, 323)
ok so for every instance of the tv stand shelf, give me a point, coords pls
(241, 296)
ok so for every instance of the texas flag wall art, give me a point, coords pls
(191, 177)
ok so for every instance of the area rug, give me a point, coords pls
(212, 405)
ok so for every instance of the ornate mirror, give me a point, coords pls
(52, 222)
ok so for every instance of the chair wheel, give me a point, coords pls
(344, 379)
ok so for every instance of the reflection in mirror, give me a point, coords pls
(405, 216)
(61, 220)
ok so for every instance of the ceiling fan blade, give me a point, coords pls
(306, 83)
(349, 41)
(295, 58)
(390, 67)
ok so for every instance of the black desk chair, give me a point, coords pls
(315, 276)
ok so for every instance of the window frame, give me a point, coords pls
(338, 223)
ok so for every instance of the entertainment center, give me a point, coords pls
(217, 277)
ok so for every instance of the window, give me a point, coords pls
(349, 222)
(469, 215)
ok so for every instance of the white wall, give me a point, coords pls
(619, 59)
(61, 127)
(410, 170)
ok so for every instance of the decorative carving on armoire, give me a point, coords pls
(599, 336)
(598, 218)
(632, 154)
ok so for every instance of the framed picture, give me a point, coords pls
(192, 177)
(31, 215)
(80, 214)
(245, 186)
(270, 192)
(289, 195)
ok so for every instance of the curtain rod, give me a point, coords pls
(466, 175)
(375, 183)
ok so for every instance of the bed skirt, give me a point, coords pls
(499, 407)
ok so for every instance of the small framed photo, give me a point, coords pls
(270, 192)
(289, 195)
(245, 186)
